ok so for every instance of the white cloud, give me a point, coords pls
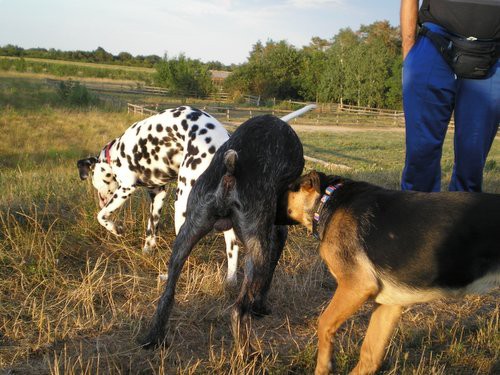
(305, 4)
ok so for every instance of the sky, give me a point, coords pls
(208, 30)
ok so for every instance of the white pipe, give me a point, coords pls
(298, 112)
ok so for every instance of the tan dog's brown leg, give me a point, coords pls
(382, 324)
(345, 302)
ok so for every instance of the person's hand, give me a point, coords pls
(407, 47)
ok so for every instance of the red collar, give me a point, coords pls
(106, 151)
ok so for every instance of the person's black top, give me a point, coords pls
(477, 18)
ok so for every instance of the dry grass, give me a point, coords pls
(73, 298)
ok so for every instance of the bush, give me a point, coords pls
(20, 65)
(184, 76)
(75, 94)
(6, 64)
(238, 97)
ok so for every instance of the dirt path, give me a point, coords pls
(340, 128)
(331, 128)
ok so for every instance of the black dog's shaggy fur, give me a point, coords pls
(240, 189)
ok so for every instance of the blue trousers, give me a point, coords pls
(431, 93)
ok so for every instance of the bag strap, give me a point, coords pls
(444, 45)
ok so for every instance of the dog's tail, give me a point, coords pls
(298, 112)
(224, 190)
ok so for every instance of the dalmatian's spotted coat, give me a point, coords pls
(177, 143)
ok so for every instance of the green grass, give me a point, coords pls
(75, 69)
(74, 298)
(84, 64)
(25, 93)
(377, 155)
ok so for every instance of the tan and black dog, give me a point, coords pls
(394, 247)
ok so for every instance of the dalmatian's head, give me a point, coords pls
(103, 178)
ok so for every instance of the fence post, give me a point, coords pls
(227, 114)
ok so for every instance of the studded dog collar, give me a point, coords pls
(329, 191)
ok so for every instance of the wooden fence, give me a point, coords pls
(114, 87)
(344, 114)
(331, 115)
(143, 110)
(221, 112)
(225, 97)
(134, 108)
(327, 113)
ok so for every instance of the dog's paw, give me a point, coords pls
(326, 368)
(259, 310)
(163, 276)
(321, 371)
(149, 246)
(147, 249)
(152, 342)
(119, 230)
(147, 344)
(231, 281)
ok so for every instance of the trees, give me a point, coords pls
(11, 50)
(271, 71)
(184, 76)
(100, 55)
(313, 62)
(360, 67)
(125, 58)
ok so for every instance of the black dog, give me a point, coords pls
(396, 248)
(240, 189)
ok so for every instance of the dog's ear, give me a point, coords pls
(311, 181)
(84, 166)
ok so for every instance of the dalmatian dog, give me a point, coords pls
(177, 144)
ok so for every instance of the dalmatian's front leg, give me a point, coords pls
(157, 196)
(120, 196)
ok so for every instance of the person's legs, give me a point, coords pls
(428, 96)
(477, 115)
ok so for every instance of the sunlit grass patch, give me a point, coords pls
(74, 298)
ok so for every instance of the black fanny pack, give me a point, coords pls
(472, 59)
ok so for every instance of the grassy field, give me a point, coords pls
(85, 64)
(74, 69)
(73, 298)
